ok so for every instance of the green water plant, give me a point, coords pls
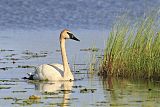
(133, 50)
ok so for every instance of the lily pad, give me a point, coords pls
(5, 68)
(19, 91)
(2, 87)
(85, 90)
(90, 49)
(2, 50)
(25, 66)
(34, 97)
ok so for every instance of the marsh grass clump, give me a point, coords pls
(133, 50)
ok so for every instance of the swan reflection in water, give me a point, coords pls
(58, 88)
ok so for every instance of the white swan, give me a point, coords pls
(56, 72)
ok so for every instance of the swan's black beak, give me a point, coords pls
(72, 36)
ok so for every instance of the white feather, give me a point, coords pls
(49, 72)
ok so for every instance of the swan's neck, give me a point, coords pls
(64, 56)
(67, 72)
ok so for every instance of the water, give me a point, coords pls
(55, 14)
(29, 37)
(88, 90)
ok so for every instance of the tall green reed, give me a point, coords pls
(133, 50)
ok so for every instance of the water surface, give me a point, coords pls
(22, 50)
(55, 14)
(29, 34)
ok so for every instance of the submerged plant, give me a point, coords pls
(133, 50)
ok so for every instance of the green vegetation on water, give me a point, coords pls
(133, 50)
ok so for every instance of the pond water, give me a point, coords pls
(29, 34)
(55, 14)
(20, 53)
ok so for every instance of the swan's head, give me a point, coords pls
(66, 34)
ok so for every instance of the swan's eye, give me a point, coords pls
(70, 35)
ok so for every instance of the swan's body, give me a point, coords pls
(54, 72)
(49, 72)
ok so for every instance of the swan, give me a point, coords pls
(56, 72)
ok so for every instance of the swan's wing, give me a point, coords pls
(58, 67)
(49, 72)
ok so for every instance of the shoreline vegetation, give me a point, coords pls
(133, 49)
